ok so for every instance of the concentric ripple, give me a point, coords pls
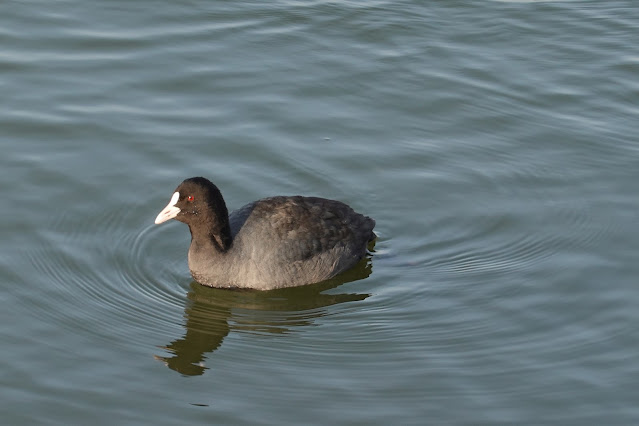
(107, 275)
(117, 276)
(493, 290)
(511, 213)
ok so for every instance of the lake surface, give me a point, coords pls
(495, 143)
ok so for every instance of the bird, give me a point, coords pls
(275, 242)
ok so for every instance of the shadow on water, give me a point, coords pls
(213, 313)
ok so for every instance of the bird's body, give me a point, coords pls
(271, 243)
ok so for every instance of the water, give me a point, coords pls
(495, 143)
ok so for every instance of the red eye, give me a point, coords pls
(190, 198)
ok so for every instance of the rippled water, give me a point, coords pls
(495, 143)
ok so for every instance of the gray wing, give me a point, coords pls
(292, 229)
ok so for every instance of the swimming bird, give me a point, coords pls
(275, 242)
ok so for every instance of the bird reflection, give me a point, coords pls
(212, 313)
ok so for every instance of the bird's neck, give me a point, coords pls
(215, 235)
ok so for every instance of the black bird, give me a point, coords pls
(275, 242)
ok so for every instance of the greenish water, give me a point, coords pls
(495, 143)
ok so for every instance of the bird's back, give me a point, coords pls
(295, 240)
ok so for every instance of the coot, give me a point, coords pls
(275, 242)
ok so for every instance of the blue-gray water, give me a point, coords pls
(495, 143)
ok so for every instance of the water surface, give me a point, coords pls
(495, 143)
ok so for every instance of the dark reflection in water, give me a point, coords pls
(212, 313)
